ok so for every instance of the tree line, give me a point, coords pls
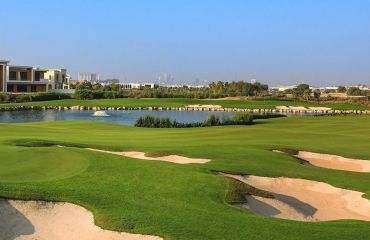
(87, 90)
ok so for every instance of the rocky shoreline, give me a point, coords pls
(279, 109)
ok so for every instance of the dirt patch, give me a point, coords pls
(305, 200)
(141, 155)
(30, 220)
(335, 162)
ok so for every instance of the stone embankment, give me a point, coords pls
(278, 109)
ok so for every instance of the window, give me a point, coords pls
(21, 88)
(37, 76)
(12, 75)
(10, 88)
(23, 75)
(33, 88)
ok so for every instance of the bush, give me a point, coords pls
(48, 96)
(267, 115)
(98, 94)
(242, 119)
(84, 94)
(4, 97)
(23, 98)
(212, 120)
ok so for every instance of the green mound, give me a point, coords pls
(39, 164)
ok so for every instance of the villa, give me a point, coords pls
(58, 79)
(23, 79)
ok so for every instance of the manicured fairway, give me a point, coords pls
(181, 102)
(181, 201)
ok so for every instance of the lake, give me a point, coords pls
(124, 117)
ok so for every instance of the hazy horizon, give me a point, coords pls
(275, 42)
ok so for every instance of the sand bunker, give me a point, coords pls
(169, 158)
(30, 220)
(305, 200)
(335, 162)
(320, 108)
(204, 106)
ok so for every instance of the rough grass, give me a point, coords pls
(181, 201)
(287, 150)
(238, 190)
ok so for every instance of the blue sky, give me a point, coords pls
(322, 42)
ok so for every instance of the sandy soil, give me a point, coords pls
(305, 200)
(169, 158)
(335, 162)
(204, 106)
(31, 220)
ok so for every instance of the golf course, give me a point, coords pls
(54, 162)
(182, 102)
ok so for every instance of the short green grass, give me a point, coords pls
(181, 102)
(180, 201)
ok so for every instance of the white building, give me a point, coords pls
(90, 77)
(138, 85)
(283, 88)
(58, 78)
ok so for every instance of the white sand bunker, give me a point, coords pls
(31, 220)
(335, 162)
(305, 200)
(203, 106)
(169, 158)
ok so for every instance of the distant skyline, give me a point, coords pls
(276, 42)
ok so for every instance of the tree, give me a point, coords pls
(302, 91)
(85, 85)
(355, 91)
(342, 89)
(317, 94)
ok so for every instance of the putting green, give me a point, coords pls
(19, 164)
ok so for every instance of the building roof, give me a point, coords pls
(40, 70)
(4, 61)
(57, 69)
(13, 66)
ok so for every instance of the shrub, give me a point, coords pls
(267, 115)
(23, 98)
(48, 96)
(4, 97)
(84, 94)
(212, 120)
(242, 119)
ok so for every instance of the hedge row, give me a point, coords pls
(6, 97)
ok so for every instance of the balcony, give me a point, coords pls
(29, 81)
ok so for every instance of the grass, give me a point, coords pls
(181, 201)
(181, 102)
(238, 190)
